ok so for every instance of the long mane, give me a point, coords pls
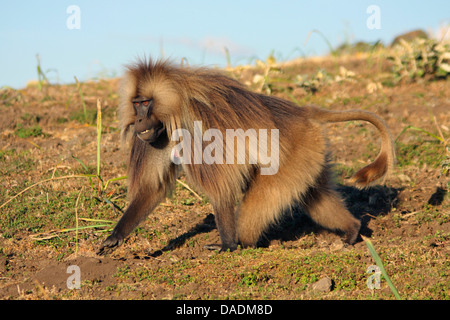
(183, 95)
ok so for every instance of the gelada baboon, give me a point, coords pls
(159, 98)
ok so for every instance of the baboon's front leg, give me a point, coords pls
(136, 212)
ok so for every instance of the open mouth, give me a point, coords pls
(146, 134)
(150, 135)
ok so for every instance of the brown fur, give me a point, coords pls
(184, 95)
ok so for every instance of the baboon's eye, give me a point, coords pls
(136, 104)
(145, 103)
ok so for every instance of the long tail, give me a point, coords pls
(385, 160)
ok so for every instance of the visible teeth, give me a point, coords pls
(143, 132)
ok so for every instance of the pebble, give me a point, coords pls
(323, 285)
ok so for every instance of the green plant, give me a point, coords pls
(33, 131)
(227, 57)
(263, 81)
(80, 92)
(101, 223)
(441, 156)
(330, 47)
(380, 265)
(84, 118)
(42, 78)
(252, 278)
(421, 58)
(314, 82)
(102, 185)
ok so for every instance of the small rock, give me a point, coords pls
(403, 178)
(337, 245)
(323, 285)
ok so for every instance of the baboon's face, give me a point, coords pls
(147, 126)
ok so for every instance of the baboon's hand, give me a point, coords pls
(109, 245)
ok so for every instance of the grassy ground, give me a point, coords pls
(50, 133)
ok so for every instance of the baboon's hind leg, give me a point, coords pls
(262, 205)
(324, 206)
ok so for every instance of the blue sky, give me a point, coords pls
(113, 33)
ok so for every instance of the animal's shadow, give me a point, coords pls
(364, 204)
